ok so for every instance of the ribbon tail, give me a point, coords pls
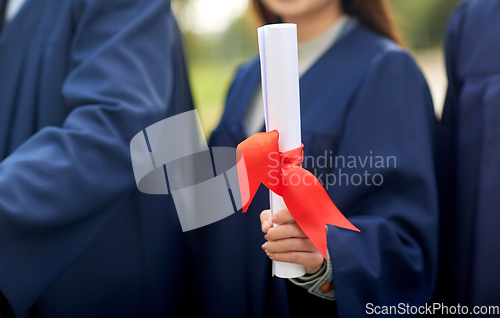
(247, 189)
(259, 163)
(311, 206)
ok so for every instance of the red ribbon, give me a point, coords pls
(282, 173)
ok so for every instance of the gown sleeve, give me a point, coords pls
(394, 258)
(61, 187)
(5, 309)
(445, 157)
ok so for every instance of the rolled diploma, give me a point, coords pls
(280, 90)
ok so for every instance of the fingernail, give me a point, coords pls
(275, 219)
(264, 225)
(269, 255)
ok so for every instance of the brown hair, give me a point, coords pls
(375, 14)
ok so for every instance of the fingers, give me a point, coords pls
(284, 231)
(311, 261)
(282, 217)
(265, 220)
(289, 245)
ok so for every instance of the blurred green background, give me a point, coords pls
(221, 34)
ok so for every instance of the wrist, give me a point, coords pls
(311, 270)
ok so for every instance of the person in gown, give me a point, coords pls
(469, 159)
(78, 79)
(367, 119)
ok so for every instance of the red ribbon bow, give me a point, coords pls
(282, 173)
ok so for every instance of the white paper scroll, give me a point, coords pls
(280, 90)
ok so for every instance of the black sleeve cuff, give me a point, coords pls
(300, 301)
(5, 309)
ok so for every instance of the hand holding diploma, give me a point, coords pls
(282, 144)
(287, 243)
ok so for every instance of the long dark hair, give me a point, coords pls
(375, 14)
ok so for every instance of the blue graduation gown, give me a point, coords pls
(78, 79)
(365, 96)
(469, 161)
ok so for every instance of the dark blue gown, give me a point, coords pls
(470, 158)
(78, 79)
(365, 96)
